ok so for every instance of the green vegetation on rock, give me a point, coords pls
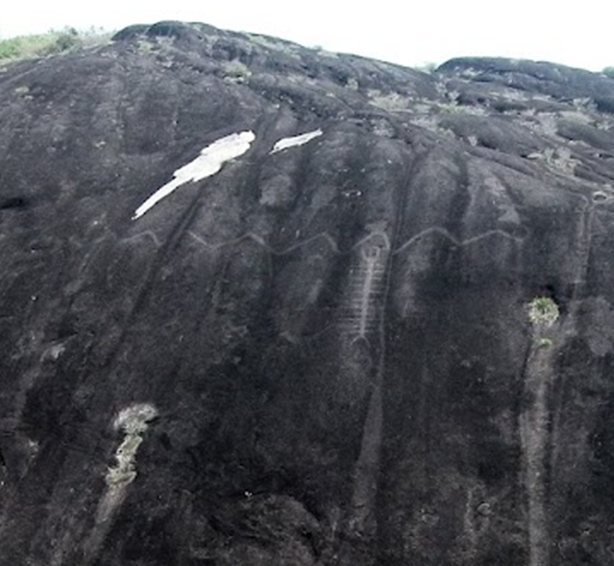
(43, 45)
(543, 312)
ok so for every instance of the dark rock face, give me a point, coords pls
(386, 343)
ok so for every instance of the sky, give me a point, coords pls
(577, 34)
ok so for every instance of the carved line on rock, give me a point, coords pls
(446, 234)
(366, 286)
(257, 239)
(373, 234)
(335, 248)
(360, 316)
(146, 234)
(362, 321)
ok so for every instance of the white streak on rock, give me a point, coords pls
(208, 163)
(285, 143)
(133, 421)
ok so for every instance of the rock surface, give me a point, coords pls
(322, 355)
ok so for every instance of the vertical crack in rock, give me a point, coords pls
(560, 454)
(208, 163)
(585, 235)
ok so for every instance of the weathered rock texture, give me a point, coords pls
(320, 356)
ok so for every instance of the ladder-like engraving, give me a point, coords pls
(362, 312)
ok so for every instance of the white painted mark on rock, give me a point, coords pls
(208, 163)
(285, 143)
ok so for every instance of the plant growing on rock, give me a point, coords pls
(54, 42)
(543, 312)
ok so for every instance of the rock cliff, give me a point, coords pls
(268, 305)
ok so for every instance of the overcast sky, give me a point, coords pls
(411, 33)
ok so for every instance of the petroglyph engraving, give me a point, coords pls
(147, 235)
(446, 234)
(434, 230)
(368, 274)
(258, 239)
(366, 287)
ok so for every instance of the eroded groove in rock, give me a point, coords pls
(535, 431)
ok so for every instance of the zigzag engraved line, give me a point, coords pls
(260, 241)
(443, 232)
(146, 234)
(333, 245)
